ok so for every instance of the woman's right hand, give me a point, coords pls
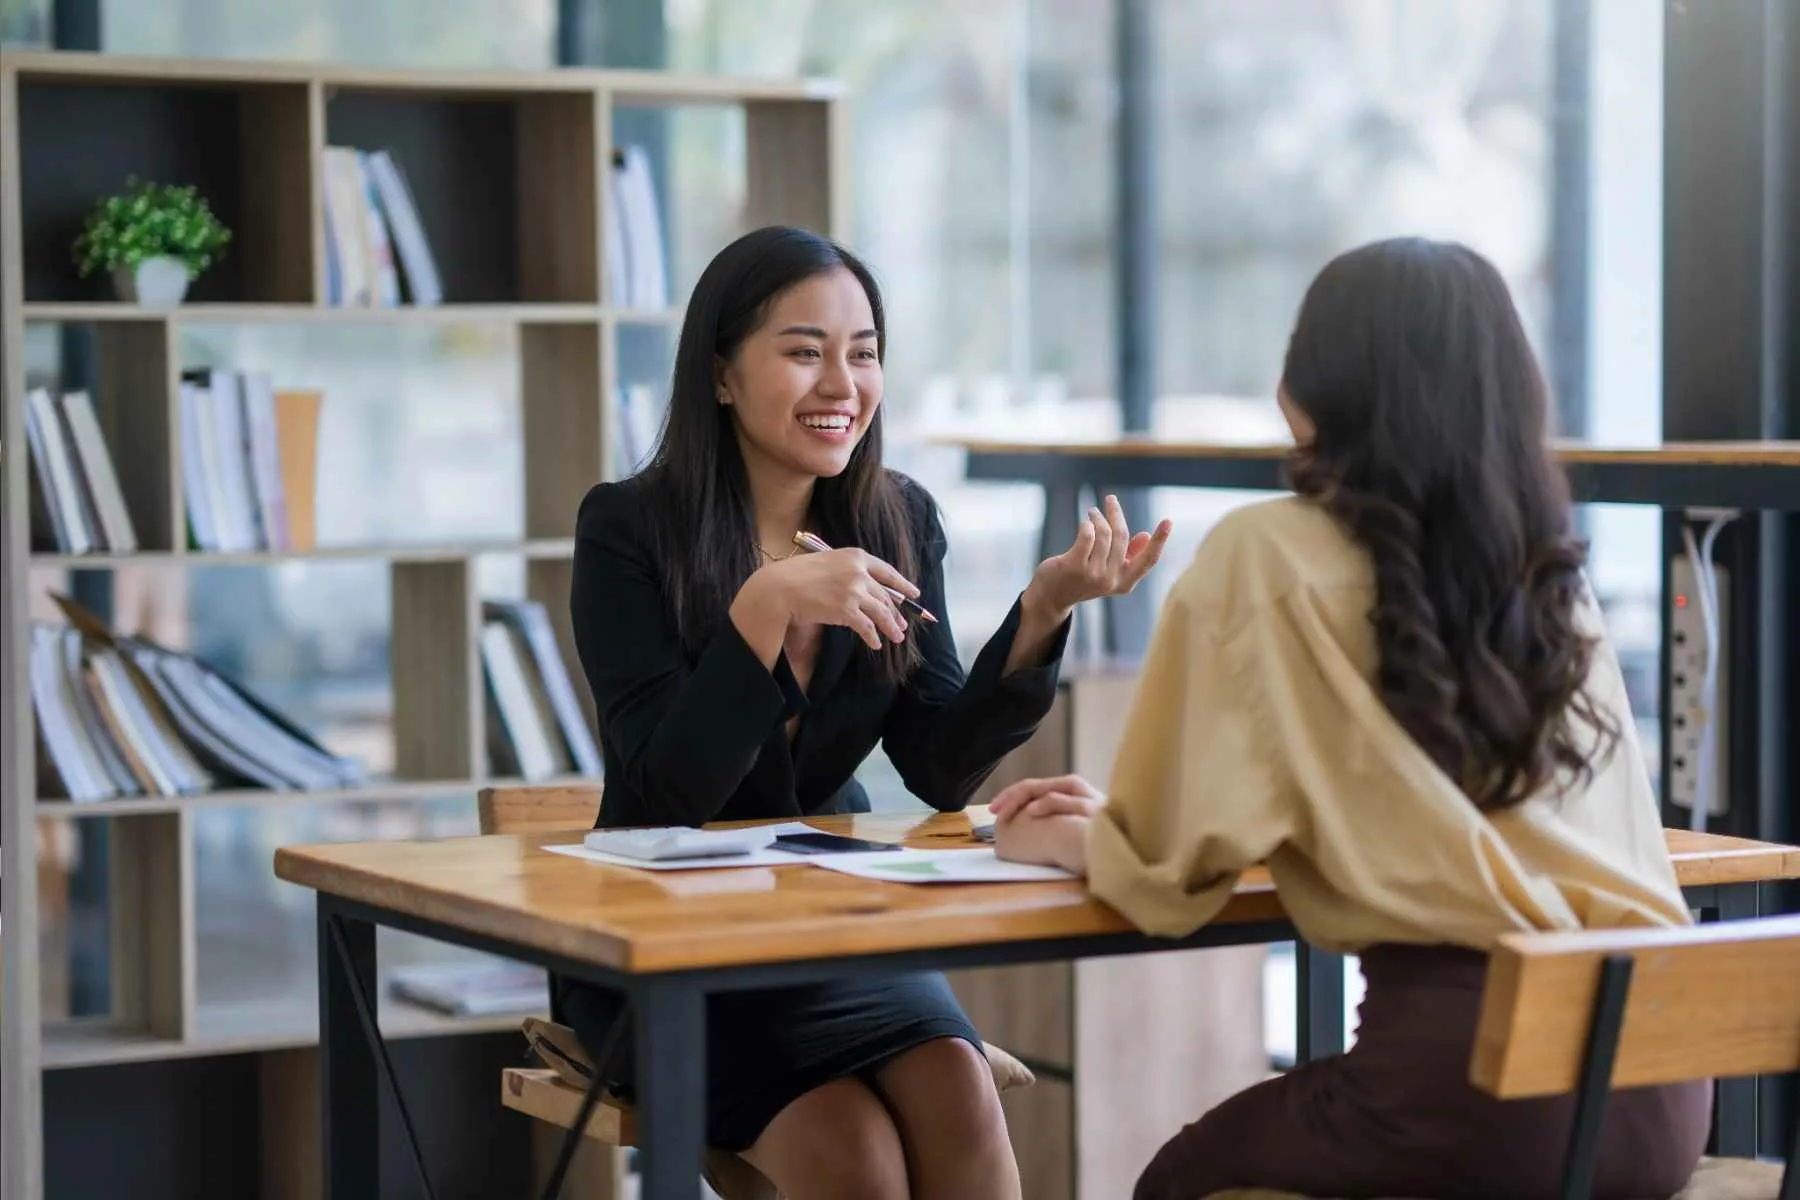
(1061, 795)
(845, 587)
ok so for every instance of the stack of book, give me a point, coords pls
(535, 726)
(373, 236)
(122, 716)
(77, 506)
(637, 273)
(473, 989)
(248, 462)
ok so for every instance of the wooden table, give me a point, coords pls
(668, 940)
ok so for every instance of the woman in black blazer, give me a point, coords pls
(736, 679)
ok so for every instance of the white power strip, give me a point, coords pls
(1687, 718)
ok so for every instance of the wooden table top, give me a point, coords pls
(509, 888)
(1703, 858)
(1745, 453)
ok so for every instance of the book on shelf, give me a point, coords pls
(123, 716)
(374, 239)
(637, 273)
(248, 462)
(473, 989)
(77, 506)
(535, 725)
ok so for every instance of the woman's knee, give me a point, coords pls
(1166, 1175)
(1218, 1151)
(837, 1140)
(944, 1084)
(948, 1113)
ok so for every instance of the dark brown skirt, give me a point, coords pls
(1397, 1116)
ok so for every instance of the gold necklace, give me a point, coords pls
(771, 557)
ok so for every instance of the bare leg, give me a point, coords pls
(837, 1142)
(944, 1103)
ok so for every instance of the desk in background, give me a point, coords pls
(670, 939)
(1753, 476)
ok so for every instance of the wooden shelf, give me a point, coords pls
(80, 1044)
(74, 311)
(248, 1029)
(392, 790)
(643, 316)
(534, 548)
(628, 86)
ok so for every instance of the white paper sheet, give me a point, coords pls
(891, 866)
(756, 858)
(937, 866)
(766, 857)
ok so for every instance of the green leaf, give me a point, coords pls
(148, 219)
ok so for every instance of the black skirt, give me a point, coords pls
(766, 1049)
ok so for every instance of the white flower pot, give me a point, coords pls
(158, 282)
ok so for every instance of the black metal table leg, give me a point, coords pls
(347, 1080)
(1735, 1109)
(671, 1086)
(1062, 515)
(1319, 979)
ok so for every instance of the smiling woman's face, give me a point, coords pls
(804, 386)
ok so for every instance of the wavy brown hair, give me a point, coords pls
(1431, 449)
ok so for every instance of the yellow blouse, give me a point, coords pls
(1256, 735)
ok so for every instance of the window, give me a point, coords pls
(442, 33)
(25, 23)
(1289, 131)
(981, 149)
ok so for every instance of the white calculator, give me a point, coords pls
(678, 841)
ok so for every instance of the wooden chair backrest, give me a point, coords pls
(1716, 1000)
(531, 808)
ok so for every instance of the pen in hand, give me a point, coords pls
(812, 542)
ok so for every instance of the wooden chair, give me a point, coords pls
(598, 1170)
(553, 1094)
(1587, 1012)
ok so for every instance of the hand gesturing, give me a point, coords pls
(1106, 559)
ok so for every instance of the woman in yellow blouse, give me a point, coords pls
(1393, 688)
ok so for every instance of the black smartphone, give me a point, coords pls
(827, 843)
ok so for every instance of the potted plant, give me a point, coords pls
(154, 238)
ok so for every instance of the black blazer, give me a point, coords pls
(689, 739)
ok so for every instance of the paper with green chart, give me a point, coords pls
(937, 866)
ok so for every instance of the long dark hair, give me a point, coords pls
(1432, 449)
(701, 522)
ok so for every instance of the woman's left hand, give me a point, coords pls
(1106, 559)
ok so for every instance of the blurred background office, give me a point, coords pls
(995, 153)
